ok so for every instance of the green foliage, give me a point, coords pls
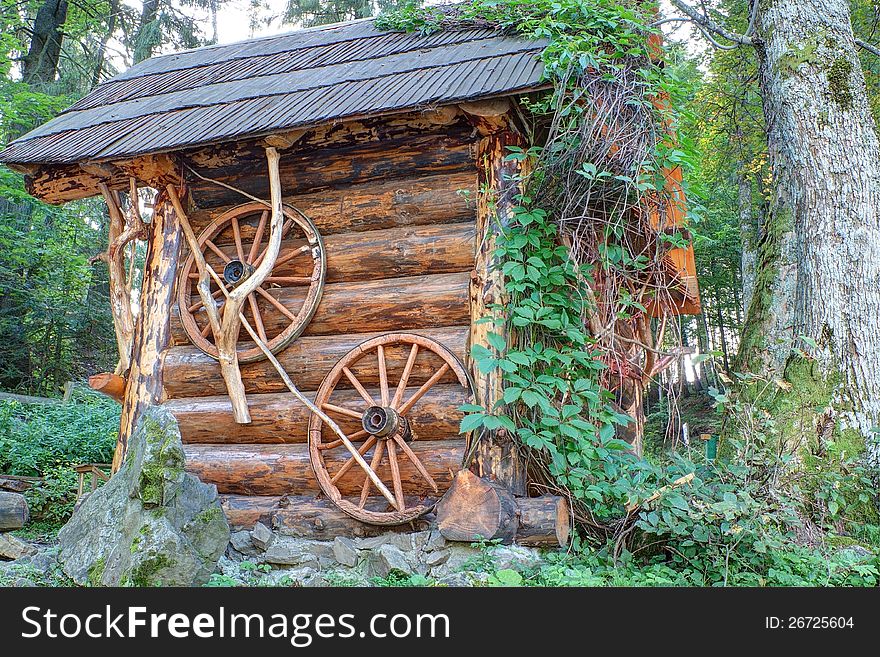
(37, 438)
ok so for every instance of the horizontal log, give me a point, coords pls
(394, 304)
(13, 511)
(187, 372)
(109, 384)
(372, 254)
(286, 469)
(280, 418)
(543, 521)
(305, 516)
(426, 200)
(334, 167)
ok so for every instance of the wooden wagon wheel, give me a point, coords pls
(234, 245)
(381, 418)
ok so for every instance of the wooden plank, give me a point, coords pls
(335, 167)
(188, 372)
(379, 204)
(395, 304)
(280, 418)
(286, 470)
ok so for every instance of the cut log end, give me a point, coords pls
(476, 509)
(13, 511)
(108, 384)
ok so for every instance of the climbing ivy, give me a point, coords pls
(553, 398)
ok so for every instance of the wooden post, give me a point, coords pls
(497, 455)
(153, 327)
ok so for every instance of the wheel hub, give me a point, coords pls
(384, 422)
(236, 272)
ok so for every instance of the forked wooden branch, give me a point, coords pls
(226, 326)
(123, 230)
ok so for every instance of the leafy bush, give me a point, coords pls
(37, 439)
(47, 440)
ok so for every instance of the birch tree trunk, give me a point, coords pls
(818, 272)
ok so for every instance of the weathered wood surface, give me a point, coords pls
(543, 521)
(408, 156)
(280, 418)
(153, 328)
(497, 456)
(304, 516)
(286, 470)
(375, 205)
(13, 511)
(109, 384)
(66, 182)
(190, 373)
(476, 509)
(394, 304)
(368, 255)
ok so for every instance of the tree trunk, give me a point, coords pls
(497, 457)
(819, 261)
(148, 35)
(98, 71)
(13, 511)
(748, 237)
(153, 329)
(41, 62)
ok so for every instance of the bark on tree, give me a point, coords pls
(819, 262)
(153, 328)
(497, 456)
(748, 238)
(41, 62)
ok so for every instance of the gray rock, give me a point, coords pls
(436, 557)
(455, 579)
(12, 547)
(399, 540)
(516, 557)
(23, 582)
(241, 541)
(387, 558)
(435, 541)
(459, 557)
(288, 551)
(152, 524)
(345, 551)
(262, 536)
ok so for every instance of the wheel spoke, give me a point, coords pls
(368, 443)
(333, 408)
(275, 302)
(425, 388)
(374, 463)
(404, 378)
(258, 236)
(411, 455)
(395, 475)
(383, 375)
(289, 280)
(366, 396)
(205, 331)
(336, 443)
(216, 249)
(258, 318)
(291, 255)
(288, 222)
(236, 232)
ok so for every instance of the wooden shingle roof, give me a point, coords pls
(303, 78)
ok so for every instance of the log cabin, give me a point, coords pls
(319, 255)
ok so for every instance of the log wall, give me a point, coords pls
(399, 232)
